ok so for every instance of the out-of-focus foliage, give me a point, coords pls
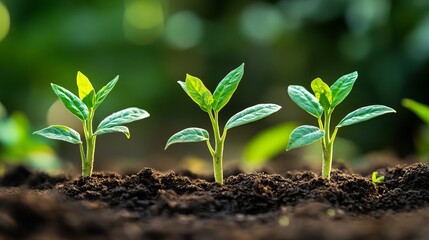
(421, 110)
(18, 146)
(422, 137)
(150, 43)
(267, 144)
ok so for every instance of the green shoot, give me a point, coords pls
(322, 104)
(212, 104)
(83, 107)
(376, 179)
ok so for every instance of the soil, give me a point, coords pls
(183, 205)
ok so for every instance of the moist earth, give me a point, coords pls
(182, 205)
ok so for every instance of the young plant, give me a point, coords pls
(212, 104)
(323, 103)
(376, 179)
(83, 107)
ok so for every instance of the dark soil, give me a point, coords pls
(154, 205)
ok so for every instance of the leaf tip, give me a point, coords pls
(167, 145)
(80, 75)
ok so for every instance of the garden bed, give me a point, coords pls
(155, 205)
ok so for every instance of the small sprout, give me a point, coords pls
(83, 107)
(212, 104)
(322, 103)
(376, 179)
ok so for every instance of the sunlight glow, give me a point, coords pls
(4, 21)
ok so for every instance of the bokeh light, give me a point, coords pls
(143, 20)
(4, 21)
(417, 44)
(364, 15)
(183, 30)
(263, 23)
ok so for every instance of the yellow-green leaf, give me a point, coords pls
(84, 85)
(199, 93)
(322, 92)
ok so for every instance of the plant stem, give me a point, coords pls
(88, 160)
(82, 156)
(217, 154)
(327, 148)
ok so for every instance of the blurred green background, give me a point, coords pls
(153, 43)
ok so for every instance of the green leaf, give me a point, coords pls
(119, 129)
(421, 110)
(257, 151)
(59, 132)
(322, 93)
(89, 100)
(226, 88)
(199, 93)
(188, 135)
(84, 85)
(305, 100)
(251, 114)
(102, 94)
(183, 85)
(71, 102)
(123, 117)
(342, 87)
(364, 114)
(304, 135)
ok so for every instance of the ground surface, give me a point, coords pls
(154, 205)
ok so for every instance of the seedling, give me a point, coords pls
(83, 107)
(376, 179)
(323, 103)
(212, 104)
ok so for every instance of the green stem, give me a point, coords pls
(327, 148)
(88, 161)
(82, 156)
(217, 154)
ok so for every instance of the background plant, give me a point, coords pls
(212, 104)
(257, 152)
(420, 109)
(421, 139)
(18, 146)
(323, 103)
(83, 107)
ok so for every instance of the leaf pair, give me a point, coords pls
(304, 135)
(207, 101)
(248, 115)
